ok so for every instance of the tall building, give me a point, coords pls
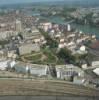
(68, 27)
(18, 26)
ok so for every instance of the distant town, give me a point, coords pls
(46, 42)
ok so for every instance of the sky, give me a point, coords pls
(27, 1)
(22, 1)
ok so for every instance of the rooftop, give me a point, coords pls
(95, 45)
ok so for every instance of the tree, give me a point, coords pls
(51, 42)
(66, 55)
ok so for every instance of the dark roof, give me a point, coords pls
(95, 45)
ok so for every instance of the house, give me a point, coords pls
(28, 48)
(68, 71)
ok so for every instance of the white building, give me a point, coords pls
(66, 71)
(79, 80)
(11, 64)
(21, 67)
(18, 26)
(96, 71)
(95, 63)
(68, 27)
(39, 70)
(33, 69)
(4, 64)
(45, 26)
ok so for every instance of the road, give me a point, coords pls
(47, 98)
(44, 88)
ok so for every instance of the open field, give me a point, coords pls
(44, 87)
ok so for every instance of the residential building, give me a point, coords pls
(28, 48)
(18, 26)
(45, 26)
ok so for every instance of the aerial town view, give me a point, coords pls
(49, 48)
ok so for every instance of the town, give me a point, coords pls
(32, 47)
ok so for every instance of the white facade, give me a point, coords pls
(39, 70)
(12, 63)
(66, 71)
(68, 27)
(34, 69)
(45, 26)
(61, 45)
(78, 80)
(95, 63)
(96, 71)
(83, 48)
(18, 26)
(4, 64)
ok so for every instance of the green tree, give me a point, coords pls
(66, 55)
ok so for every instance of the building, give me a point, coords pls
(28, 48)
(79, 80)
(96, 71)
(7, 34)
(39, 70)
(31, 33)
(21, 67)
(18, 26)
(45, 26)
(11, 64)
(4, 64)
(95, 63)
(68, 71)
(32, 69)
(68, 27)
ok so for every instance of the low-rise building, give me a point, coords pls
(96, 71)
(32, 69)
(79, 80)
(4, 64)
(39, 70)
(21, 68)
(95, 63)
(28, 48)
(45, 26)
(68, 71)
(7, 34)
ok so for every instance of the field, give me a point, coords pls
(44, 87)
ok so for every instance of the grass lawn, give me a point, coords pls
(51, 58)
(33, 57)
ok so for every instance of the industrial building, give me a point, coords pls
(33, 69)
